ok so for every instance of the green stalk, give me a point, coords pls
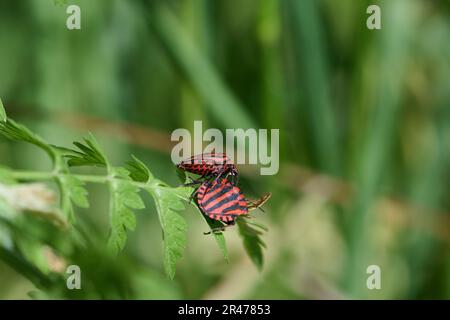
(29, 271)
(377, 143)
(42, 176)
(311, 56)
(222, 104)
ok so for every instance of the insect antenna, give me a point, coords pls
(258, 203)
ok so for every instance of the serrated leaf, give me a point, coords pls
(3, 117)
(90, 154)
(174, 226)
(258, 225)
(124, 197)
(14, 131)
(252, 242)
(138, 170)
(133, 200)
(185, 193)
(77, 191)
(72, 189)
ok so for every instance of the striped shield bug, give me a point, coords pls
(209, 165)
(221, 200)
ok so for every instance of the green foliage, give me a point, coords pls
(89, 155)
(186, 194)
(14, 131)
(219, 236)
(181, 174)
(199, 70)
(138, 170)
(364, 121)
(72, 191)
(2, 112)
(124, 197)
(252, 241)
(124, 184)
(76, 190)
(173, 224)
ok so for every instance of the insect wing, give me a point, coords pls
(222, 200)
(206, 164)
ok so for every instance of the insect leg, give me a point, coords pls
(253, 205)
(223, 172)
(192, 197)
(194, 182)
(220, 229)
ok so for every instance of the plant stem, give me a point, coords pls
(22, 266)
(42, 176)
(45, 176)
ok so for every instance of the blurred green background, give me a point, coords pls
(364, 119)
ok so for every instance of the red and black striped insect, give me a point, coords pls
(221, 200)
(209, 165)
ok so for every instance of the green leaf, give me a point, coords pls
(258, 225)
(218, 236)
(185, 193)
(138, 170)
(181, 174)
(76, 190)
(252, 242)
(90, 154)
(14, 131)
(124, 197)
(72, 189)
(174, 226)
(3, 117)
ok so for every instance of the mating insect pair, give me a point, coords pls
(217, 197)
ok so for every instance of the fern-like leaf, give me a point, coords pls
(185, 193)
(168, 202)
(124, 197)
(252, 242)
(77, 191)
(174, 226)
(14, 131)
(72, 189)
(138, 170)
(90, 154)
(124, 185)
